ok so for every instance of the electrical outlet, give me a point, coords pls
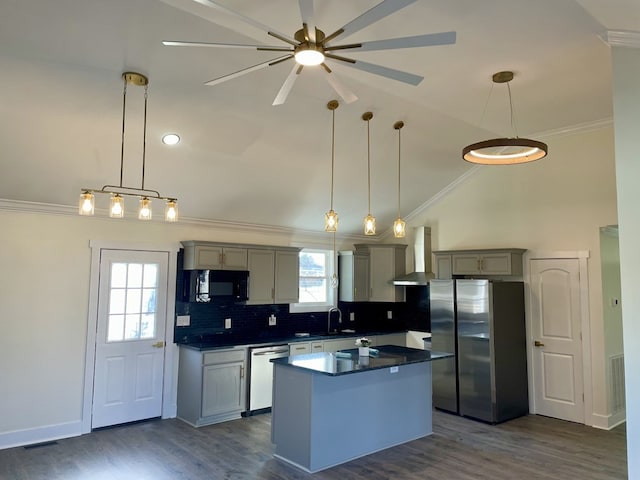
(352, 316)
(272, 320)
(227, 323)
(389, 314)
(183, 321)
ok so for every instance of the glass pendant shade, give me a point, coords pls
(331, 221)
(171, 211)
(399, 228)
(87, 204)
(369, 225)
(145, 209)
(116, 209)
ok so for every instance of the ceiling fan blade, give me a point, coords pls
(383, 9)
(306, 13)
(287, 86)
(244, 71)
(391, 73)
(172, 43)
(250, 21)
(428, 40)
(347, 95)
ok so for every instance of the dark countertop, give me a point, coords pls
(348, 361)
(226, 340)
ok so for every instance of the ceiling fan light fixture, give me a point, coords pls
(309, 56)
(505, 151)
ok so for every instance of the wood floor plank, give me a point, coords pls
(531, 447)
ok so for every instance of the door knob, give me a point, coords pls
(158, 345)
(538, 344)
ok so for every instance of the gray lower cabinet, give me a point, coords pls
(211, 385)
(399, 339)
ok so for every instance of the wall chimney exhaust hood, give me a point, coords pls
(422, 260)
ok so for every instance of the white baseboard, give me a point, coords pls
(49, 433)
(607, 422)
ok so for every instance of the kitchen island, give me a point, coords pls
(330, 408)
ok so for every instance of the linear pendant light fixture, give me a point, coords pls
(369, 220)
(116, 210)
(399, 225)
(331, 217)
(505, 151)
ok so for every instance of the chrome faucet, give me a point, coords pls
(331, 310)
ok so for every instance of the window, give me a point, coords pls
(132, 301)
(316, 294)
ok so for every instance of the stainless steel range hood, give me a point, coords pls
(422, 260)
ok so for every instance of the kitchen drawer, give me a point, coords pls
(224, 356)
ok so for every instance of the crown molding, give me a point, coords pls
(298, 236)
(622, 38)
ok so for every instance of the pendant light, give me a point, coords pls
(399, 225)
(331, 217)
(369, 220)
(117, 192)
(505, 151)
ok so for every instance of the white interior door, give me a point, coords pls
(555, 327)
(130, 337)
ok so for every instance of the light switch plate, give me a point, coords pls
(272, 320)
(352, 316)
(227, 323)
(389, 314)
(183, 320)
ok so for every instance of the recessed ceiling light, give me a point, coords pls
(171, 139)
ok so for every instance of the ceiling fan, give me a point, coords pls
(310, 47)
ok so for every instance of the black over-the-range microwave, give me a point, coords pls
(216, 285)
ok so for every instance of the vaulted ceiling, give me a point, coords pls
(242, 159)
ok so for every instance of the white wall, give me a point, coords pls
(626, 102)
(44, 297)
(555, 204)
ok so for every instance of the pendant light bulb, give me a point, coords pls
(116, 209)
(369, 225)
(87, 203)
(399, 225)
(145, 209)
(331, 221)
(171, 211)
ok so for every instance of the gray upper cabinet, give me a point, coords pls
(214, 257)
(386, 262)
(274, 275)
(504, 262)
(354, 276)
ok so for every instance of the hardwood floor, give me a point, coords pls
(531, 447)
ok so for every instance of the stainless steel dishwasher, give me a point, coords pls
(261, 375)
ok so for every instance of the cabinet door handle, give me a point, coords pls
(220, 258)
(241, 371)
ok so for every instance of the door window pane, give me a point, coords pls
(132, 301)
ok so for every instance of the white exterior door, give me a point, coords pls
(557, 350)
(130, 337)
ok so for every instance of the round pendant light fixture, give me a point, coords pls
(505, 151)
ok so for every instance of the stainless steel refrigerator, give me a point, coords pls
(482, 322)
